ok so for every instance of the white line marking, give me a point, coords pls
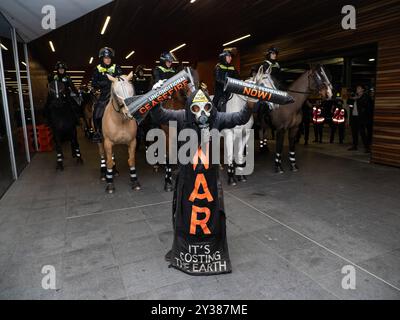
(116, 210)
(313, 241)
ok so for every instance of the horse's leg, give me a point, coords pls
(229, 141)
(168, 170)
(76, 152)
(243, 138)
(132, 164)
(115, 170)
(292, 148)
(110, 164)
(280, 134)
(103, 165)
(60, 155)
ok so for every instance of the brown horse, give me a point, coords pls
(119, 128)
(288, 117)
(88, 107)
(177, 102)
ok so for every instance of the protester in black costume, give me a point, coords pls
(200, 246)
(102, 83)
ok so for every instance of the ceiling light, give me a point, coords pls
(372, 59)
(131, 53)
(52, 46)
(192, 1)
(177, 48)
(236, 40)
(105, 25)
(23, 63)
(91, 60)
(3, 46)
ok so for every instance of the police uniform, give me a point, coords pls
(221, 72)
(339, 115)
(318, 120)
(102, 83)
(141, 84)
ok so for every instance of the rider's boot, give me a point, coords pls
(97, 138)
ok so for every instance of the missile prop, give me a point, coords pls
(139, 106)
(257, 92)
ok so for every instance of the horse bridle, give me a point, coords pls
(122, 105)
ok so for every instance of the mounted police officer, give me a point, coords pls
(140, 82)
(102, 83)
(223, 70)
(164, 71)
(62, 75)
(62, 113)
(271, 65)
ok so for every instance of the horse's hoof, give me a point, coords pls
(168, 187)
(155, 168)
(60, 167)
(232, 182)
(103, 177)
(294, 168)
(115, 172)
(110, 188)
(221, 167)
(241, 178)
(136, 185)
(279, 170)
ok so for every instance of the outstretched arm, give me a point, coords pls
(163, 116)
(231, 120)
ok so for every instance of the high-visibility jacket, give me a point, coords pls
(338, 116)
(317, 115)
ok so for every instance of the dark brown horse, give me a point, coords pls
(62, 116)
(288, 117)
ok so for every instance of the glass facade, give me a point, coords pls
(16, 123)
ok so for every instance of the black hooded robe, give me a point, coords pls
(200, 245)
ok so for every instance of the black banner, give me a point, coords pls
(257, 92)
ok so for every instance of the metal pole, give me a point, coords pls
(28, 74)
(21, 99)
(7, 118)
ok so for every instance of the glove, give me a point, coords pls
(158, 85)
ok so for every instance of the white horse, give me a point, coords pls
(236, 140)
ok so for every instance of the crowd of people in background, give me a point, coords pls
(355, 112)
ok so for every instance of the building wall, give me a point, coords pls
(39, 86)
(378, 23)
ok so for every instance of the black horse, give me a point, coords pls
(62, 116)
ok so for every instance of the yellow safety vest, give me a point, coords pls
(110, 70)
(223, 67)
(165, 69)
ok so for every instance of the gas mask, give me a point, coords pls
(201, 108)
